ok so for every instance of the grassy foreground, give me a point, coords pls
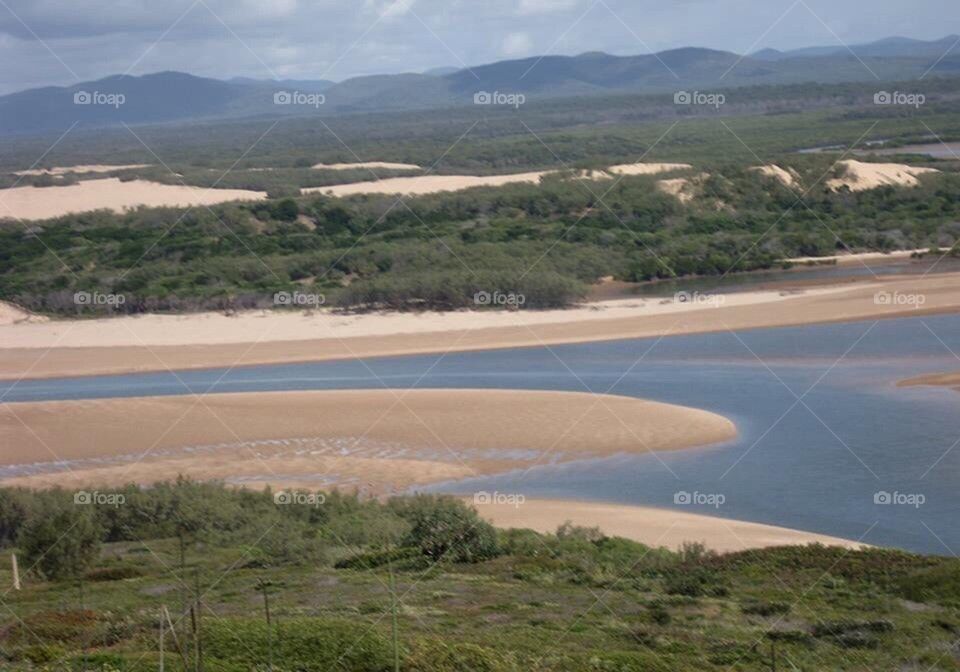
(335, 574)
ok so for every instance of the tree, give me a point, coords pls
(60, 540)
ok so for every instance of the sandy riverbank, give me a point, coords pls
(859, 257)
(655, 527)
(379, 441)
(37, 349)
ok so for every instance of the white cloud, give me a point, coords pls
(516, 44)
(389, 9)
(528, 7)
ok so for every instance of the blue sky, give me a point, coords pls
(45, 42)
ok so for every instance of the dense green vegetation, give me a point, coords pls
(335, 575)
(547, 242)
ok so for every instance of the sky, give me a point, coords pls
(63, 42)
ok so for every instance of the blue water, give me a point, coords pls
(814, 464)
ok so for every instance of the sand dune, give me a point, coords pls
(655, 527)
(646, 168)
(156, 342)
(379, 440)
(861, 176)
(426, 184)
(112, 194)
(11, 314)
(786, 176)
(366, 164)
(432, 184)
(94, 168)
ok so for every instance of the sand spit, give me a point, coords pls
(157, 342)
(112, 194)
(95, 168)
(786, 176)
(951, 379)
(651, 526)
(380, 440)
(861, 176)
(366, 164)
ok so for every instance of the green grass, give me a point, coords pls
(568, 602)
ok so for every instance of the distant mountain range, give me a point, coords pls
(889, 47)
(176, 96)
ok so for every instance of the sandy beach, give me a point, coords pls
(378, 441)
(28, 203)
(648, 525)
(43, 349)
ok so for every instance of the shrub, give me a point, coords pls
(765, 608)
(444, 528)
(400, 558)
(303, 644)
(61, 540)
(114, 573)
(437, 656)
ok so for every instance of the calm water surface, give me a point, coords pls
(824, 431)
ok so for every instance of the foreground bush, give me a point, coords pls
(303, 644)
(447, 529)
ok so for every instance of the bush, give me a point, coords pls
(114, 573)
(444, 528)
(303, 644)
(694, 583)
(441, 657)
(400, 558)
(60, 541)
(765, 608)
